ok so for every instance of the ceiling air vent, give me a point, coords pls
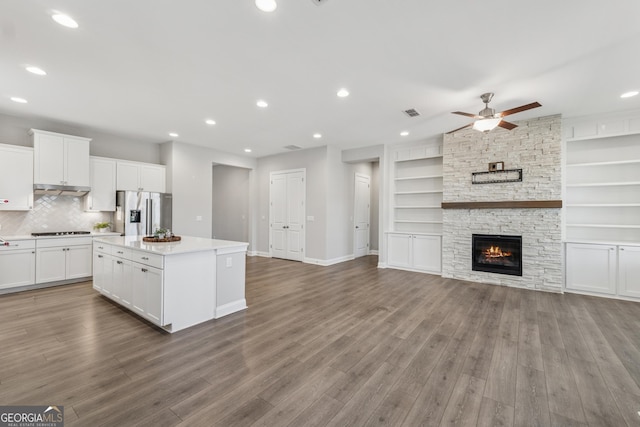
(292, 147)
(412, 112)
(319, 2)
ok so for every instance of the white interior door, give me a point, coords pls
(287, 214)
(361, 215)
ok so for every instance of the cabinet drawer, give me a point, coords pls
(17, 245)
(120, 252)
(147, 258)
(102, 247)
(64, 241)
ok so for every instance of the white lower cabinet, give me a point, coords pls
(629, 271)
(63, 259)
(134, 285)
(420, 252)
(147, 292)
(603, 269)
(18, 264)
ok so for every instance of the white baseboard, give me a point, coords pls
(259, 253)
(231, 307)
(328, 262)
(373, 252)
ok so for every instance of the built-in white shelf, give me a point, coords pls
(418, 177)
(422, 207)
(419, 192)
(602, 205)
(604, 184)
(616, 162)
(629, 226)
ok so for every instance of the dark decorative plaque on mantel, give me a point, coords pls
(493, 177)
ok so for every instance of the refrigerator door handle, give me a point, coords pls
(149, 212)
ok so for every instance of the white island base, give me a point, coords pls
(173, 285)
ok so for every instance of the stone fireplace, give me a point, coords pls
(530, 209)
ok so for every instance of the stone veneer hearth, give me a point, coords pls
(534, 146)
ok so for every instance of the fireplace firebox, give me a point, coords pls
(497, 254)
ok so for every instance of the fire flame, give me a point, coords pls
(496, 252)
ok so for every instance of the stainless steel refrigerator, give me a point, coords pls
(141, 213)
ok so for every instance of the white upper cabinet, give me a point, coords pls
(60, 159)
(103, 185)
(135, 176)
(16, 186)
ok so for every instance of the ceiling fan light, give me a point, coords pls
(485, 125)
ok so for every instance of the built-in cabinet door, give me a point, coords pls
(128, 176)
(102, 196)
(99, 274)
(629, 271)
(17, 163)
(122, 281)
(427, 253)
(591, 268)
(51, 264)
(399, 250)
(17, 268)
(153, 178)
(49, 159)
(76, 162)
(147, 296)
(361, 214)
(78, 261)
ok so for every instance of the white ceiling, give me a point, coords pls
(144, 68)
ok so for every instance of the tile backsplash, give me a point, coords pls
(51, 213)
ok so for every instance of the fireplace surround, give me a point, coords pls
(496, 254)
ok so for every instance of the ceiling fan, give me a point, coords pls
(488, 119)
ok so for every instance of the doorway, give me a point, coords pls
(230, 203)
(287, 198)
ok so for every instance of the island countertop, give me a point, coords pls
(185, 245)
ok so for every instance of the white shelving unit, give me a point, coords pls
(417, 192)
(603, 190)
(415, 240)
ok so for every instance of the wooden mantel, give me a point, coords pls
(512, 204)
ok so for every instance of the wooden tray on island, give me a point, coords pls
(153, 239)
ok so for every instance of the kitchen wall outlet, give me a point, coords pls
(229, 262)
(199, 218)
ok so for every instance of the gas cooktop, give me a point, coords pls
(59, 233)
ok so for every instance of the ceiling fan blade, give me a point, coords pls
(463, 127)
(473, 116)
(519, 109)
(507, 125)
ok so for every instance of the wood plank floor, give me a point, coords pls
(345, 345)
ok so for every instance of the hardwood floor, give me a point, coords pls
(344, 345)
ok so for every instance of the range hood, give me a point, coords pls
(60, 190)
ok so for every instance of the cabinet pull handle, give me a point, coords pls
(120, 252)
(99, 256)
(145, 258)
(622, 249)
(119, 262)
(144, 270)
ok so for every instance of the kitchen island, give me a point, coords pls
(174, 285)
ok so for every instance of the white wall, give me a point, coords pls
(189, 178)
(314, 160)
(13, 130)
(230, 203)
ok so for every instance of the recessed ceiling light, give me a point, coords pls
(629, 94)
(262, 104)
(317, 135)
(36, 70)
(173, 134)
(343, 93)
(18, 100)
(266, 5)
(210, 122)
(404, 133)
(247, 150)
(64, 20)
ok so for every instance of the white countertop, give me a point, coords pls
(187, 244)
